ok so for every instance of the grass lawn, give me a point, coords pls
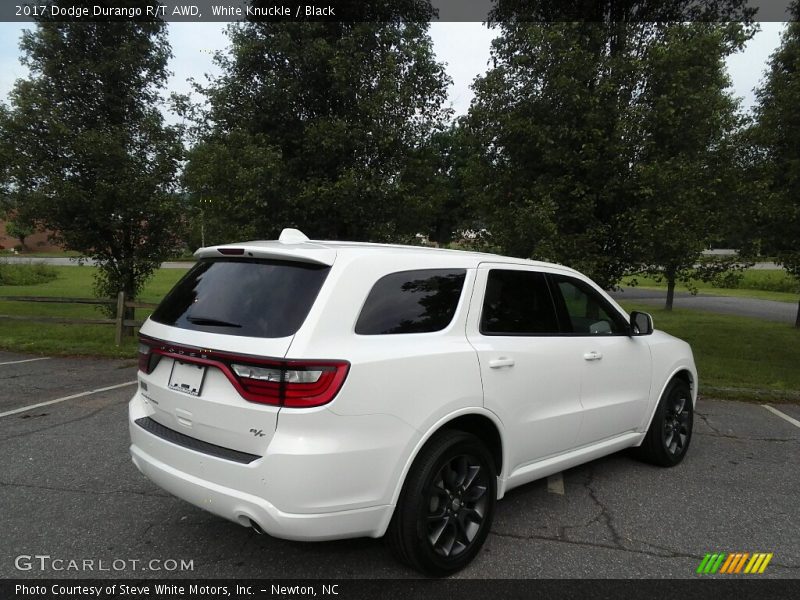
(737, 357)
(67, 339)
(765, 284)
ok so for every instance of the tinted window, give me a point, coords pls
(517, 303)
(257, 298)
(586, 311)
(411, 302)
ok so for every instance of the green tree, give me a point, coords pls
(19, 230)
(686, 166)
(553, 117)
(5, 163)
(777, 134)
(91, 158)
(433, 180)
(317, 126)
(569, 119)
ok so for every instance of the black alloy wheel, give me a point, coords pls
(670, 432)
(445, 509)
(457, 500)
(677, 423)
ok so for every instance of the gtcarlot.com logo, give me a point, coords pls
(734, 563)
(45, 562)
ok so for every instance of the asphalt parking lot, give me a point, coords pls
(68, 490)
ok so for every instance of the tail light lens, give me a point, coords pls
(147, 358)
(290, 383)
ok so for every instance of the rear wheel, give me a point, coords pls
(446, 507)
(670, 431)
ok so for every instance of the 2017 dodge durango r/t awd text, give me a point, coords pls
(321, 390)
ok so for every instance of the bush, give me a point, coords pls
(768, 280)
(26, 273)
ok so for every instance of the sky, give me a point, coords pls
(464, 47)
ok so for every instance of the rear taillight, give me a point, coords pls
(147, 358)
(296, 384)
(290, 383)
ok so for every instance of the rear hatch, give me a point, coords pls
(212, 355)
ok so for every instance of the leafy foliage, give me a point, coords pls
(93, 160)
(777, 134)
(26, 273)
(686, 165)
(604, 144)
(319, 126)
(19, 230)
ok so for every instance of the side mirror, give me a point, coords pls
(641, 323)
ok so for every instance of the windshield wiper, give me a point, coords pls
(212, 322)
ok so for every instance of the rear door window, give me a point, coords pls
(419, 301)
(245, 297)
(517, 303)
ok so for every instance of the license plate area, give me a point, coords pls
(186, 378)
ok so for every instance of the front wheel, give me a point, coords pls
(670, 431)
(446, 507)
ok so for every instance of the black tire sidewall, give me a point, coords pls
(676, 386)
(447, 446)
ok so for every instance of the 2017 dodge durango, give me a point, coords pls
(318, 390)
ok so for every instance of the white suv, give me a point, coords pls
(322, 390)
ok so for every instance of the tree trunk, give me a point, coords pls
(129, 313)
(797, 318)
(670, 290)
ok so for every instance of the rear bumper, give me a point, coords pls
(243, 508)
(321, 477)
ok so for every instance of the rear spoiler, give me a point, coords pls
(303, 252)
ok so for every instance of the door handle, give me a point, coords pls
(593, 355)
(498, 363)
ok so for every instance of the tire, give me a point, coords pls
(670, 432)
(446, 506)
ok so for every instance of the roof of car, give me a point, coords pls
(294, 247)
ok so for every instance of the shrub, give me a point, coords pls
(26, 273)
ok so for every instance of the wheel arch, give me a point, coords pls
(682, 372)
(480, 422)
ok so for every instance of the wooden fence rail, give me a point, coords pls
(120, 322)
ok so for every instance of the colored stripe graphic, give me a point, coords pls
(765, 563)
(741, 562)
(734, 562)
(703, 563)
(755, 563)
(718, 563)
(727, 564)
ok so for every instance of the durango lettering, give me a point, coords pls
(109, 11)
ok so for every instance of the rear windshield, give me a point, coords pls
(247, 297)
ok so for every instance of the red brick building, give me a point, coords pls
(37, 242)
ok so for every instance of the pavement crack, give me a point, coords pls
(706, 421)
(614, 546)
(660, 551)
(13, 484)
(604, 513)
(747, 439)
(146, 531)
(62, 423)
